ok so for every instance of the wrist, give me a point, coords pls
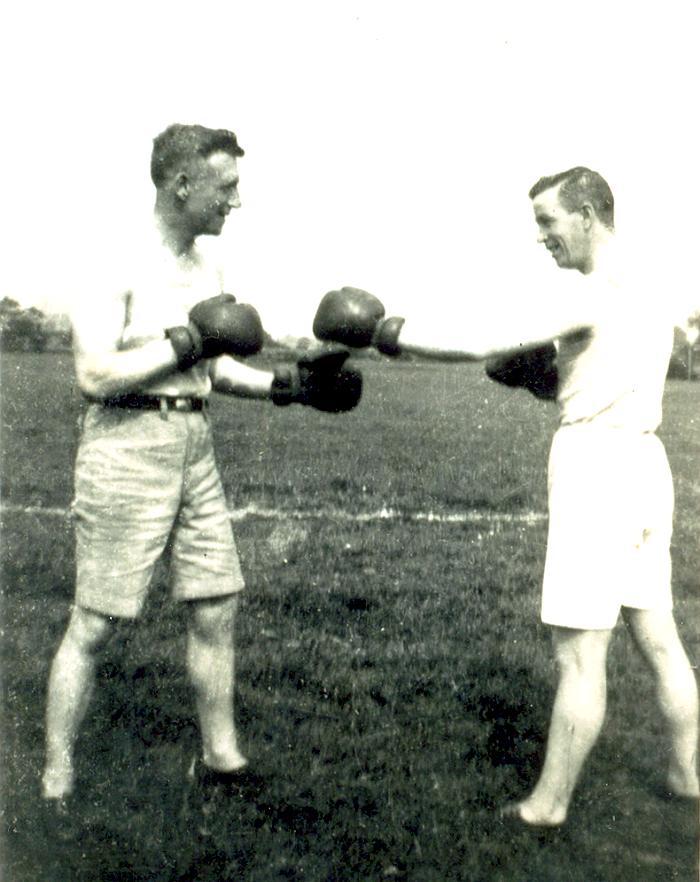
(187, 344)
(285, 385)
(386, 335)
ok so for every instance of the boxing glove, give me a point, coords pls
(320, 381)
(217, 326)
(534, 369)
(355, 318)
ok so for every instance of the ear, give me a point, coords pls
(182, 186)
(587, 215)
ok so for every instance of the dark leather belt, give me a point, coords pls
(155, 402)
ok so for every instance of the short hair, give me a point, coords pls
(580, 185)
(182, 142)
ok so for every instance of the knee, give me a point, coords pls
(668, 660)
(656, 636)
(570, 665)
(583, 654)
(88, 631)
(213, 620)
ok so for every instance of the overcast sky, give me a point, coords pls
(389, 145)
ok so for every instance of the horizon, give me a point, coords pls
(389, 146)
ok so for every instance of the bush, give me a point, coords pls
(30, 330)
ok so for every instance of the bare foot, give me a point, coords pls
(56, 785)
(683, 785)
(530, 816)
(232, 761)
(234, 767)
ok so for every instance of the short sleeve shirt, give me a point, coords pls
(613, 373)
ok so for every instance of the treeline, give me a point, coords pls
(31, 330)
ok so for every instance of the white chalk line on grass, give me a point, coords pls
(474, 516)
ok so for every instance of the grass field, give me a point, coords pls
(394, 681)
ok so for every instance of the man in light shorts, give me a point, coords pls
(147, 355)
(610, 488)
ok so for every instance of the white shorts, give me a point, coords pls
(610, 525)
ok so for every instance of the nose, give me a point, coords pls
(541, 237)
(234, 200)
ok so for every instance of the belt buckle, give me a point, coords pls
(181, 404)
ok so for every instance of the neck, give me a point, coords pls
(175, 234)
(602, 243)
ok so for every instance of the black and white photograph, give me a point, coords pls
(350, 436)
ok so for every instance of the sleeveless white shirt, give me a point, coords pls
(162, 289)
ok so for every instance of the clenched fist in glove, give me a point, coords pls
(355, 317)
(532, 369)
(217, 326)
(321, 381)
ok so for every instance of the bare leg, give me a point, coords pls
(210, 662)
(71, 684)
(657, 638)
(577, 717)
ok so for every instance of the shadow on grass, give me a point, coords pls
(394, 689)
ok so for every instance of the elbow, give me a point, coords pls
(91, 387)
(95, 384)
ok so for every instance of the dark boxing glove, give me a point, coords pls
(321, 381)
(217, 326)
(533, 369)
(227, 327)
(355, 318)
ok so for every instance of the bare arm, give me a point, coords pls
(478, 335)
(103, 370)
(236, 378)
(475, 344)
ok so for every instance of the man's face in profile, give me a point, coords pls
(212, 193)
(562, 232)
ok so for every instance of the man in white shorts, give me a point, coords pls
(610, 488)
(147, 356)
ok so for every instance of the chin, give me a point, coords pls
(215, 229)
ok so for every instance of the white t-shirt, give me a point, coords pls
(613, 373)
(158, 290)
(613, 327)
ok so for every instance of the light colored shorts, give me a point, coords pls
(142, 483)
(610, 524)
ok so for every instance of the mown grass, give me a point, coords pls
(394, 681)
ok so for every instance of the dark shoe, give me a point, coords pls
(214, 795)
(59, 819)
(680, 799)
